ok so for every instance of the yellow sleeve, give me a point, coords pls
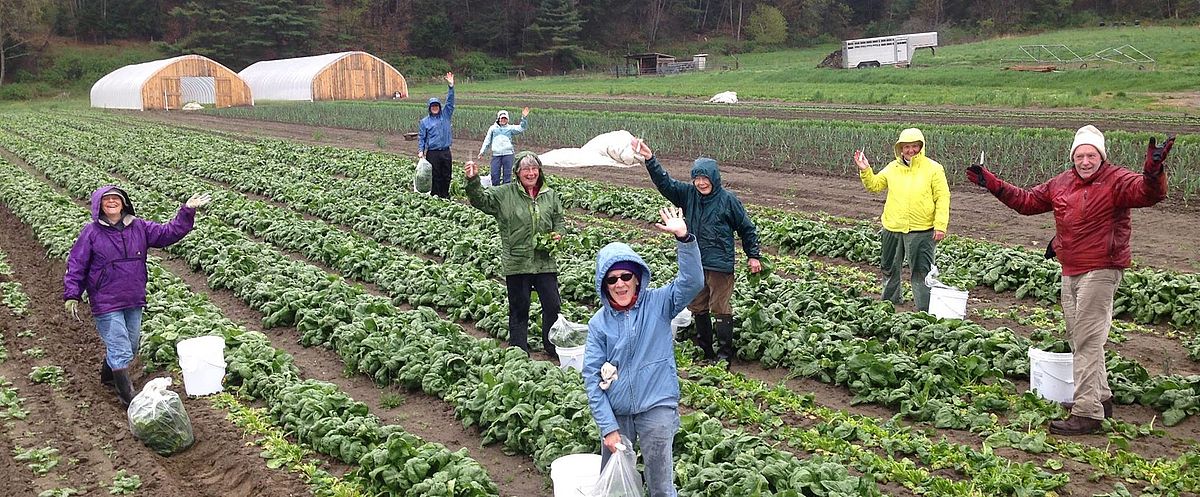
(874, 182)
(941, 198)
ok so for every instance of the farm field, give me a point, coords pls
(330, 281)
(965, 74)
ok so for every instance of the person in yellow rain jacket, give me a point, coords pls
(915, 214)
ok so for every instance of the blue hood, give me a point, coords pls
(707, 167)
(611, 254)
(432, 101)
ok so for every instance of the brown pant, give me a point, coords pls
(714, 298)
(1087, 303)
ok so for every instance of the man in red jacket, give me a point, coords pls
(1091, 204)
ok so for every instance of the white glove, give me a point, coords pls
(608, 374)
(198, 200)
(72, 307)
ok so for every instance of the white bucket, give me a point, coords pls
(947, 302)
(575, 474)
(1051, 375)
(571, 357)
(202, 360)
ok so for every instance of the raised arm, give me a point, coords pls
(481, 198)
(1148, 188)
(449, 108)
(162, 235)
(674, 190)
(871, 181)
(1027, 202)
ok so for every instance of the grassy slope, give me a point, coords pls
(967, 74)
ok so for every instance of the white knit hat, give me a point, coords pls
(1089, 135)
(503, 113)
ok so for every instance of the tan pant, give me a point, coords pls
(1087, 303)
(714, 298)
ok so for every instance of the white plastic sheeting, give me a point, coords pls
(609, 149)
(725, 97)
(288, 79)
(122, 88)
(201, 89)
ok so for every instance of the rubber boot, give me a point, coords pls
(106, 374)
(704, 335)
(724, 329)
(124, 386)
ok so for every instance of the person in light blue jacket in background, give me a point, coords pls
(500, 138)
(629, 362)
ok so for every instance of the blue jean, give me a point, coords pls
(502, 165)
(656, 429)
(121, 332)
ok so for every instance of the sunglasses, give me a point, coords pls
(612, 280)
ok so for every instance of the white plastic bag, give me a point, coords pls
(157, 418)
(423, 179)
(931, 279)
(567, 334)
(620, 477)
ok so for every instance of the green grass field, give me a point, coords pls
(971, 74)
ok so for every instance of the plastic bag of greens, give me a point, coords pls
(157, 418)
(567, 334)
(423, 180)
(620, 477)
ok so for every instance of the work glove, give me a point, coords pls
(1156, 155)
(198, 200)
(981, 176)
(72, 307)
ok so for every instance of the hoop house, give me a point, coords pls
(170, 83)
(335, 76)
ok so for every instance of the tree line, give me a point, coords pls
(554, 35)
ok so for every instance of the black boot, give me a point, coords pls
(124, 386)
(724, 328)
(106, 374)
(704, 335)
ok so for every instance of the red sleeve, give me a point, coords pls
(1131, 189)
(1027, 202)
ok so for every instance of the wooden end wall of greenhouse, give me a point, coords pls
(166, 89)
(359, 76)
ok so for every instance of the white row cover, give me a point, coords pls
(122, 88)
(288, 79)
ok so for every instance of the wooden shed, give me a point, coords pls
(335, 76)
(170, 83)
(647, 63)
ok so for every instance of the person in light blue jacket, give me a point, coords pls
(631, 336)
(500, 138)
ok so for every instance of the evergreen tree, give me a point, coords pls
(555, 34)
(242, 32)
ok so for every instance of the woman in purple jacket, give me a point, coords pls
(108, 261)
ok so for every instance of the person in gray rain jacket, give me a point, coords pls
(629, 369)
(713, 214)
(500, 138)
(108, 262)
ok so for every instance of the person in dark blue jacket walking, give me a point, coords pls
(713, 214)
(434, 138)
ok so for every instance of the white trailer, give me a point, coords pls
(885, 50)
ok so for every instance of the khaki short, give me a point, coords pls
(714, 298)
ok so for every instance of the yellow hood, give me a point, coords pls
(907, 136)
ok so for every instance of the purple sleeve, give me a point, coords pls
(77, 266)
(161, 235)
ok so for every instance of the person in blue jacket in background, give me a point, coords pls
(629, 361)
(434, 138)
(500, 138)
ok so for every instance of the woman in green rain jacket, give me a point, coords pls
(528, 214)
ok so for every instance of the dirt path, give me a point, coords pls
(1163, 236)
(83, 420)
